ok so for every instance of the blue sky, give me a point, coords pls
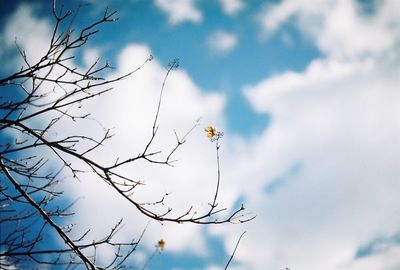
(307, 95)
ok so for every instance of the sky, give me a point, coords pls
(307, 95)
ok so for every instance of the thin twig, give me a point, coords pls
(233, 253)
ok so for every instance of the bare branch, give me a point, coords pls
(234, 251)
(35, 156)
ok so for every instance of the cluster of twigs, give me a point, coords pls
(42, 94)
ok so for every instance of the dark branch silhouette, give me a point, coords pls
(234, 251)
(33, 161)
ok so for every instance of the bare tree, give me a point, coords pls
(32, 159)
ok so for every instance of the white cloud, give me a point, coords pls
(338, 28)
(180, 11)
(331, 151)
(318, 71)
(231, 7)
(222, 42)
(387, 260)
(90, 56)
(27, 32)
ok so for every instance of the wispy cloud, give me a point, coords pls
(179, 11)
(222, 42)
(337, 27)
(29, 33)
(232, 7)
(340, 127)
(336, 118)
